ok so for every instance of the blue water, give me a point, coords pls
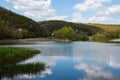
(74, 61)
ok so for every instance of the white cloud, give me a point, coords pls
(114, 63)
(87, 11)
(77, 17)
(47, 71)
(90, 5)
(97, 12)
(57, 18)
(30, 76)
(98, 19)
(104, 19)
(113, 10)
(35, 9)
(110, 15)
(94, 71)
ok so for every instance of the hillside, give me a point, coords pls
(57, 24)
(109, 32)
(14, 26)
(106, 27)
(93, 31)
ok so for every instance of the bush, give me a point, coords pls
(69, 33)
(65, 33)
(106, 35)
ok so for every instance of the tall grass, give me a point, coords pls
(14, 55)
(10, 56)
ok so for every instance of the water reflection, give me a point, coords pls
(8, 72)
(76, 61)
(96, 61)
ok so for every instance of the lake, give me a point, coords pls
(73, 61)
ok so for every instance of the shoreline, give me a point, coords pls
(42, 39)
(32, 39)
(12, 55)
(46, 39)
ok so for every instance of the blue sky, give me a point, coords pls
(82, 11)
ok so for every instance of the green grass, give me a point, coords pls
(10, 56)
(14, 55)
(106, 27)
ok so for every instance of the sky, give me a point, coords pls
(80, 11)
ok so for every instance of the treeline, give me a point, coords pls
(15, 26)
(79, 27)
(68, 33)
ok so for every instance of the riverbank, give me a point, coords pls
(29, 40)
(13, 55)
(46, 39)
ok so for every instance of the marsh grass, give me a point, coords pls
(14, 55)
(10, 56)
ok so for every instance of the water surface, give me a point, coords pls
(74, 61)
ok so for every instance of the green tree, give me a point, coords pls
(65, 33)
(108, 35)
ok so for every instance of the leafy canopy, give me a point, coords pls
(65, 33)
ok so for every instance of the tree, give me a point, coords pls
(65, 33)
(108, 35)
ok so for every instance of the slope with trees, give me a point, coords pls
(109, 32)
(15, 26)
(78, 27)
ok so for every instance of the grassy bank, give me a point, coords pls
(14, 55)
(10, 56)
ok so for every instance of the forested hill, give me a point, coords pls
(52, 25)
(92, 30)
(14, 26)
